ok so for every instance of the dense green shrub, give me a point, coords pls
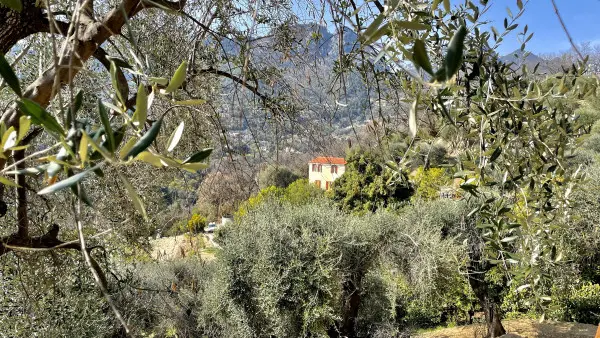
(291, 269)
(182, 298)
(195, 224)
(430, 155)
(428, 182)
(368, 184)
(278, 176)
(46, 297)
(593, 143)
(299, 192)
(585, 303)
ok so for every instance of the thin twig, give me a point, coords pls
(564, 27)
(31, 156)
(90, 264)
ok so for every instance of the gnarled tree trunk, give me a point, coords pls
(488, 302)
(15, 26)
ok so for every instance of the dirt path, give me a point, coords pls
(520, 328)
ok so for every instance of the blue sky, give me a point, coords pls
(582, 18)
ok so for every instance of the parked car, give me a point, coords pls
(211, 227)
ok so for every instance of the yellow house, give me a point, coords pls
(322, 170)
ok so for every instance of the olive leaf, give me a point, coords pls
(6, 70)
(144, 142)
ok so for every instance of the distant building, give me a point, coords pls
(322, 170)
(225, 219)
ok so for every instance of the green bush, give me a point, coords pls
(430, 155)
(48, 296)
(368, 184)
(300, 192)
(583, 306)
(195, 224)
(278, 176)
(182, 298)
(593, 143)
(291, 269)
(429, 182)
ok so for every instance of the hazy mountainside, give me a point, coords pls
(518, 58)
(298, 64)
(302, 40)
(549, 64)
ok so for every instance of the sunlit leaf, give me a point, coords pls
(113, 107)
(24, 124)
(412, 119)
(193, 167)
(178, 78)
(169, 162)
(19, 147)
(66, 183)
(9, 139)
(83, 148)
(150, 158)
(6, 181)
(159, 80)
(141, 107)
(175, 137)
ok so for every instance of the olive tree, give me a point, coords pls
(296, 270)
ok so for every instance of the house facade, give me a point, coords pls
(323, 170)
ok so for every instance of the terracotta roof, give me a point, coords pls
(328, 160)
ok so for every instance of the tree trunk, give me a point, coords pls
(492, 320)
(488, 303)
(350, 307)
(15, 26)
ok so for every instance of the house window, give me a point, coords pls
(320, 168)
(318, 184)
(334, 169)
(314, 167)
(328, 185)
